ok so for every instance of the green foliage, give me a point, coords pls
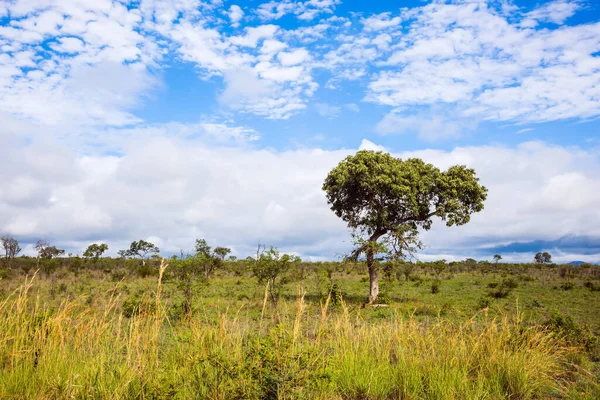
(141, 249)
(594, 287)
(380, 196)
(420, 346)
(208, 259)
(573, 333)
(379, 192)
(543, 258)
(567, 285)
(503, 289)
(270, 265)
(46, 251)
(95, 251)
(136, 305)
(435, 286)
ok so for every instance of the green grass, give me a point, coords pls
(85, 336)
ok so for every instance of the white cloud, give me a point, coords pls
(328, 110)
(294, 57)
(303, 10)
(254, 35)
(557, 12)
(84, 39)
(235, 15)
(431, 125)
(69, 45)
(469, 54)
(381, 21)
(366, 144)
(246, 91)
(180, 188)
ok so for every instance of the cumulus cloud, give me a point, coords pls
(381, 21)
(556, 11)
(235, 15)
(178, 188)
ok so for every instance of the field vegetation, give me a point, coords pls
(126, 328)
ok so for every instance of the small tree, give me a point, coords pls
(269, 266)
(46, 251)
(11, 246)
(141, 249)
(382, 197)
(210, 260)
(189, 277)
(543, 258)
(95, 251)
(497, 257)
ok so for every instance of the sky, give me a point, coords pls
(172, 120)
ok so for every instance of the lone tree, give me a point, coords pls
(387, 198)
(95, 251)
(543, 258)
(46, 251)
(141, 249)
(497, 257)
(11, 246)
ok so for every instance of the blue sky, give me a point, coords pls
(171, 121)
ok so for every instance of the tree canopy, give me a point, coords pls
(139, 249)
(543, 258)
(95, 251)
(379, 195)
(10, 245)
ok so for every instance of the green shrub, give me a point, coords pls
(594, 287)
(133, 306)
(484, 302)
(567, 285)
(573, 333)
(435, 286)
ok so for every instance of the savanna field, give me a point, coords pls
(118, 328)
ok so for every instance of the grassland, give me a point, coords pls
(478, 332)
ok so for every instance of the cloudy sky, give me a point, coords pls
(171, 120)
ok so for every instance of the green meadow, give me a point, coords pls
(114, 328)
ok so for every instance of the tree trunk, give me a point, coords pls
(373, 279)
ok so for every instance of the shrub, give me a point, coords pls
(592, 286)
(510, 283)
(484, 302)
(435, 286)
(573, 333)
(567, 286)
(383, 298)
(135, 306)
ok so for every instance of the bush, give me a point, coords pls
(435, 286)
(383, 298)
(484, 302)
(592, 286)
(567, 286)
(133, 306)
(573, 333)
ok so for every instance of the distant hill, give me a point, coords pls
(582, 262)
